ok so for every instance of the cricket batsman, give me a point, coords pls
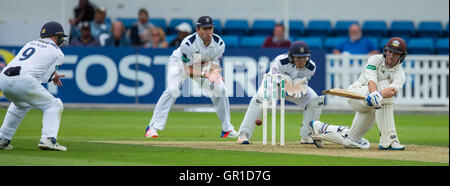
(21, 80)
(198, 58)
(381, 81)
(297, 68)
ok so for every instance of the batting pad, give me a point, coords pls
(386, 124)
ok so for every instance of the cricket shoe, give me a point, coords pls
(317, 127)
(229, 134)
(51, 144)
(393, 146)
(151, 132)
(306, 140)
(243, 139)
(4, 144)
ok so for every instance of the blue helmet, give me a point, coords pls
(299, 49)
(53, 28)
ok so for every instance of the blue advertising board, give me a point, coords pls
(138, 75)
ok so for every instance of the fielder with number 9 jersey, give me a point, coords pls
(21, 80)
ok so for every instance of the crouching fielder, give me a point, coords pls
(21, 80)
(297, 68)
(381, 81)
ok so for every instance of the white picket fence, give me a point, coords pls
(427, 78)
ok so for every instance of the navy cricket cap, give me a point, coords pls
(52, 28)
(205, 21)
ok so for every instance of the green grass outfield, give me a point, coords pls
(81, 128)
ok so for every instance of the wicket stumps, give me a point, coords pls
(276, 80)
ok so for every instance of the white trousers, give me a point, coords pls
(25, 92)
(175, 78)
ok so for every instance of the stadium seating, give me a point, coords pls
(313, 42)
(175, 22)
(217, 26)
(231, 41)
(341, 27)
(252, 41)
(159, 22)
(127, 22)
(238, 27)
(332, 43)
(428, 37)
(403, 29)
(374, 28)
(429, 29)
(442, 46)
(319, 28)
(420, 46)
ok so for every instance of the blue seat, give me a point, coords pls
(159, 22)
(429, 29)
(374, 28)
(446, 30)
(341, 27)
(313, 42)
(171, 29)
(238, 27)
(262, 27)
(420, 46)
(403, 29)
(442, 46)
(375, 41)
(321, 28)
(170, 38)
(231, 41)
(332, 43)
(217, 26)
(296, 28)
(383, 41)
(252, 41)
(127, 22)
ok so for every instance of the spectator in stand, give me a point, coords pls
(157, 39)
(184, 29)
(86, 39)
(140, 30)
(83, 12)
(277, 40)
(98, 25)
(118, 37)
(356, 44)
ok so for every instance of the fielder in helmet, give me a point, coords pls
(54, 31)
(381, 81)
(296, 68)
(34, 64)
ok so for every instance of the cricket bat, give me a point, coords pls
(343, 93)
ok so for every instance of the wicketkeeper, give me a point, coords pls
(297, 68)
(381, 81)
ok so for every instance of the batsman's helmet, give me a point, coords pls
(299, 49)
(53, 28)
(397, 45)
